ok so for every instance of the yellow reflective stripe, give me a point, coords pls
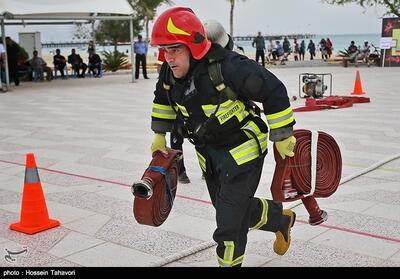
(279, 114)
(264, 215)
(252, 127)
(229, 250)
(202, 161)
(227, 110)
(209, 109)
(240, 116)
(223, 263)
(238, 260)
(281, 123)
(249, 150)
(183, 110)
(280, 119)
(163, 111)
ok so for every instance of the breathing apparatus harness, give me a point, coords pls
(199, 136)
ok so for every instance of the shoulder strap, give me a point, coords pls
(217, 79)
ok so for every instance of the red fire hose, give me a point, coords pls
(155, 192)
(314, 172)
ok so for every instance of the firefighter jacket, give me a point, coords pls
(215, 119)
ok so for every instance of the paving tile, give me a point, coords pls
(190, 226)
(387, 211)
(94, 202)
(31, 258)
(42, 241)
(280, 263)
(254, 260)
(352, 206)
(122, 193)
(88, 225)
(151, 240)
(201, 256)
(305, 253)
(357, 243)
(72, 243)
(110, 254)
(396, 258)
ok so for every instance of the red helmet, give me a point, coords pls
(181, 26)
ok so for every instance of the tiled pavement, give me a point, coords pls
(92, 138)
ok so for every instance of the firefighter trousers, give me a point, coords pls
(232, 192)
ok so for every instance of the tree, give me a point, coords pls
(232, 2)
(392, 6)
(115, 31)
(82, 32)
(148, 10)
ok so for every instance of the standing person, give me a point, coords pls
(140, 48)
(329, 47)
(59, 62)
(2, 57)
(311, 49)
(12, 59)
(230, 139)
(302, 51)
(259, 44)
(322, 48)
(91, 47)
(286, 47)
(271, 47)
(296, 49)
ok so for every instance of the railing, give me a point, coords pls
(275, 37)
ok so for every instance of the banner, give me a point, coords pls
(391, 29)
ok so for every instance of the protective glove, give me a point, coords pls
(159, 143)
(285, 147)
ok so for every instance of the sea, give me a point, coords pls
(340, 42)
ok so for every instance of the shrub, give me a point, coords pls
(114, 60)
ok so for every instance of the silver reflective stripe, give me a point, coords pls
(280, 119)
(31, 175)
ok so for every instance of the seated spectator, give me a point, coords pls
(59, 62)
(94, 64)
(77, 63)
(38, 66)
(353, 52)
(365, 51)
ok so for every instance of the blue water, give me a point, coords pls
(340, 42)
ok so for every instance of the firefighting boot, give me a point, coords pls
(282, 241)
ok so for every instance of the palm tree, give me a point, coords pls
(231, 16)
(149, 8)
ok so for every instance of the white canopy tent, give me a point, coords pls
(64, 10)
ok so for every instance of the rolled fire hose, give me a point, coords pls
(155, 192)
(314, 172)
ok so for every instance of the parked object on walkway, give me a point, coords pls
(34, 214)
(314, 85)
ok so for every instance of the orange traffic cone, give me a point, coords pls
(357, 85)
(34, 214)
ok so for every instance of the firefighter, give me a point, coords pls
(210, 89)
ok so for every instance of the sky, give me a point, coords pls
(250, 16)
